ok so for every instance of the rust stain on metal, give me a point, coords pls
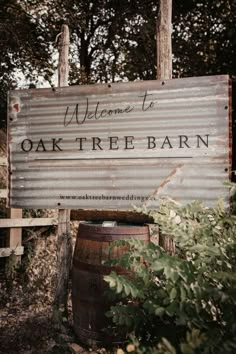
(164, 182)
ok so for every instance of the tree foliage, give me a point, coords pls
(189, 298)
(102, 35)
(204, 39)
(113, 40)
(23, 46)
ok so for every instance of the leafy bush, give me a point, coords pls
(184, 303)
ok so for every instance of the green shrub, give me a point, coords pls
(183, 303)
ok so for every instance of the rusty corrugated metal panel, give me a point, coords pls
(119, 145)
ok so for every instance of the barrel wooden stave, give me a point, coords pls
(88, 287)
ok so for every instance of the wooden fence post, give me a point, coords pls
(64, 241)
(164, 72)
(15, 234)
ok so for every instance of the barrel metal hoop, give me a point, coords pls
(98, 268)
(108, 238)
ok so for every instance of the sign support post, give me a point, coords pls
(163, 40)
(164, 72)
(64, 241)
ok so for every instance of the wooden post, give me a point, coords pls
(64, 240)
(163, 35)
(164, 72)
(63, 66)
(15, 234)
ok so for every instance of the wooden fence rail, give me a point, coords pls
(15, 223)
(3, 193)
(27, 222)
(3, 161)
(7, 251)
(15, 233)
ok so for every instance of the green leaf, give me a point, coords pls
(119, 287)
(128, 321)
(109, 279)
(174, 276)
(127, 289)
(183, 294)
(172, 309)
(159, 311)
(157, 266)
(186, 349)
(173, 294)
(168, 346)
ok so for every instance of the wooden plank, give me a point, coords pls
(6, 252)
(64, 260)
(27, 222)
(164, 45)
(111, 215)
(3, 193)
(164, 72)
(63, 66)
(15, 234)
(3, 161)
(64, 239)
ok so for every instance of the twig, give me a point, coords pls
(36, 234)
(58, 35)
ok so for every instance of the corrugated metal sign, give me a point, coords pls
(119, 145)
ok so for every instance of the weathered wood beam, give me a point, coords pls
(111, 215)
(3, 161)
(63, 66)
(3, 193)
(15, 234)
(64, 240)
(6, 252)
(27, 222)
(163, 40)
(164, 72)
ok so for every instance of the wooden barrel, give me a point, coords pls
(89, 303)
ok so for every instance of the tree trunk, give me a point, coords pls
(64, 240)
(164, 46)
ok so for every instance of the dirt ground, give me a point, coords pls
(26, 332)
